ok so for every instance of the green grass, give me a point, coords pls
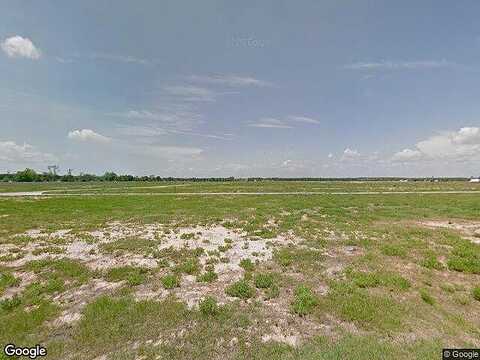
(207, 277)
(108, 322)
(368, 311)
(263, 280)
(426, 297)
(476, 293)
(378, 289)
(394, 250)
(7, 280)
(66, 269)
(465, 257)
(375, 279)
(170, 281)
(304, 301)
(132, 275)
(247, 264)
(189, 266)
(431, 262)
(209, 306)
(130, 245)
(240, 289)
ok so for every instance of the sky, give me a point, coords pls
(251, 88)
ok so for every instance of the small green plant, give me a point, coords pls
(247, 264)
(61, 268)
(284, 257)
(190, 266)
(9, 304)
(394, 250)
(375, 279)
(272, 292)
(476, 293)
(207, 277)
(170, 281)
(208, 306)
(48, 250)
(7, 280)
(224, 248)
(187, 236)
(427, 297)
(240, 289)
(133, 275)
(449, 288)
(465, 257)
(263, 281)
(304, 301)
(431, 262)
(212, 260)
(365, 280)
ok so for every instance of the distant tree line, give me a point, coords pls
(30, 175)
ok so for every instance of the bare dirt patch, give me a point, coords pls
(469, 229)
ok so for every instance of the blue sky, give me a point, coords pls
(216, 88)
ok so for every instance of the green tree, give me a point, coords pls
(27, 175)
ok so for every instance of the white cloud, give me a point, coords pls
(349, 154)
(285, 123)
(168, 151)
(270, 123)
(12, 152)
(303, 119)
(330, 156)
(229, 80)
(87, 135)
(17, 46)
(463, 144)
(153, 131)
(399, 65)
(171, 120)
(467, 136)
(134, 130)
(119, 58)
(191, 93)
(407, 155)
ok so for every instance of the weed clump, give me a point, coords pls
(133, 275)
(190, 267)
(263, 281)
(431, 262)
(207, 277)
(465, 257)
(7, 280)
(427, 297)
(170, 281)
(375, 279)
(394, 250)
(284, 257)
(247, 264)
(476, 293)
(240, 289)
(208, 306)
(304, 302)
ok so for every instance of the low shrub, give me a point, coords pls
(304, 301)
(208, 306)
(263, 281)
(170, 281)
(240, 289)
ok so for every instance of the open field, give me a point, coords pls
(347, 273)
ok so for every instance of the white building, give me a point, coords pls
(475, 180)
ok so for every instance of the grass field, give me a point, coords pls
(347, 273)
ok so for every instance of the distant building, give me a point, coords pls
(475, 180)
